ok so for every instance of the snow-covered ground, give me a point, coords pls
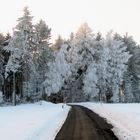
(124, 117)
(40, 121)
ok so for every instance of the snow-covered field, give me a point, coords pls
(40, 121)
(124, 117)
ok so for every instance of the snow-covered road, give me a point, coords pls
(40, 121)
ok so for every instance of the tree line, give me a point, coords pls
(84, 67)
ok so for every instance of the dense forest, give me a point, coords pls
(85, 67)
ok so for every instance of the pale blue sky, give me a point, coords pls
(65, 16)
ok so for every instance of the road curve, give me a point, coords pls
(83, 124)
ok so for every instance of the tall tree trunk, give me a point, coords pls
(14, 89)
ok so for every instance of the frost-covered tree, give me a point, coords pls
(110, 63)
(116, 64)
(84, 31)
(14, 62)
(80, 55)
(81, 51)
(59, 71)
(132, 78)
(30, 52)
(13, 65)
(102, 66)
(21, 47)
(43, 34)
(4, 56)
(91, 82)
(2, 39)
(1, 68)
(43, 53)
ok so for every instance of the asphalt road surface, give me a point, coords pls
(83, 124)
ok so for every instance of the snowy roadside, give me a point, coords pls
(124, 117)
(40, 121)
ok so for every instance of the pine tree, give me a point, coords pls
(132, 78)
(58, 43)
(43, 33)
(1, 68)
(44, 53)
(2, 39)
(116, 64)
(98, 36)
(21, 47)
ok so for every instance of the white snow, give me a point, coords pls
(124, 117)
(40, 121)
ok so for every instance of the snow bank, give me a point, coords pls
(124, 117)
(40, 121)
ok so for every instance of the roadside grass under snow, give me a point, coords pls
(39, 121)
(124, 117)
